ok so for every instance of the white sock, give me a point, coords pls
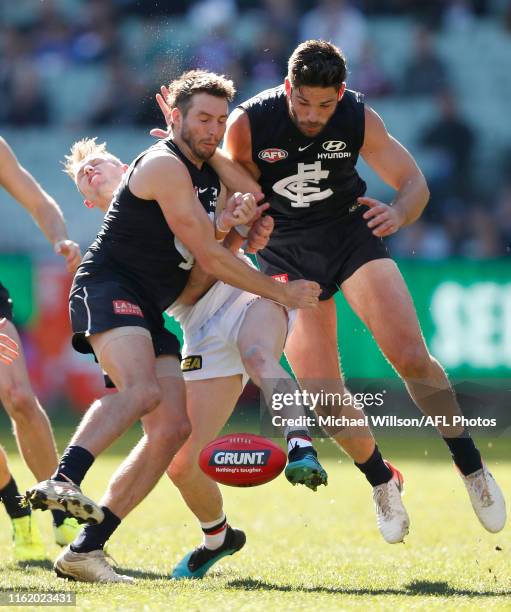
(299, 440)
(214, 532)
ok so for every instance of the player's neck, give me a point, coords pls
(102, 203)
(187, 152)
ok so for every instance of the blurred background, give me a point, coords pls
(438, 71)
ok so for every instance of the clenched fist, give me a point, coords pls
(240, 209)
(302, 294)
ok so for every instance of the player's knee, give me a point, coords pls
(183, 431)
(184, 468)
(256, 360)
(170, 432)
(167, 439)
(412, 361)
(19, 401)
(174, 435)
(147, 396)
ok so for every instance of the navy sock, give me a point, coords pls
(375, 469)
(74, 463)
(11, 498)
(58, 517)
(94, 537)
(464, 453)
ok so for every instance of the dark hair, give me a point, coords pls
(182, 89)
(317, 63)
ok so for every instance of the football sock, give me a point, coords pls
(298, 438)
(94, 537)
(464, 453)
(375, 469)
(74, 464)
(11, 498)
(214, 532)
(58, 517)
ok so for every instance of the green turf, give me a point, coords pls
(305, 551)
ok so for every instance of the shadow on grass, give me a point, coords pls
(259, 585)
(138, 573)
(425, 587)
(418, 587)
(48, 565)
(42, 564)
(411, 589)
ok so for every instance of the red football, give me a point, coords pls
(242, 460)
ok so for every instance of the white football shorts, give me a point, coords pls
(212, 351)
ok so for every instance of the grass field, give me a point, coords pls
(304, 550)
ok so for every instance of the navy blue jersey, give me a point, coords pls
(135, 243)
(306, 179)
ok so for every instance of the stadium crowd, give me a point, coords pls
(127, 48)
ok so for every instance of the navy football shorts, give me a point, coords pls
(100, 305)
(328, 252)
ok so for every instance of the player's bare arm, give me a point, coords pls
(238, 146)
(396, 167)
(221, 227)
(43, 208)
(199, 282)
(190, 223)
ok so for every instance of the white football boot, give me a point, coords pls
(87, 567)
(391, 515)
(65, 496)
(486, 498)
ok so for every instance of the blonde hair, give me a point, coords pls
(84, 148)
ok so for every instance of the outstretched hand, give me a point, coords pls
(70, 250)
(161, 99)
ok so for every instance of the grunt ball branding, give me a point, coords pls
(242, 458)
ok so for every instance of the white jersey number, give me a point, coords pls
(301, 188)
(189, 259)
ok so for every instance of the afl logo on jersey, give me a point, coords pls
(334, 146)
(272, 155)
